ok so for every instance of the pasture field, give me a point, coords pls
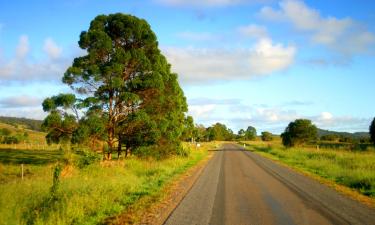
(87, 190)
(353, 169)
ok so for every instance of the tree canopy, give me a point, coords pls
(299, 132)
(372, 131)
(266, 136)
(219, 132)
(124, 84)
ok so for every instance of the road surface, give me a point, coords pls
(239, 187)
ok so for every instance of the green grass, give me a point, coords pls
(354, 169)
(84, 196)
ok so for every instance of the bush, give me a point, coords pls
(183, 151)
(299, 132)
(11, 140)
(86, 158)
(266, 136)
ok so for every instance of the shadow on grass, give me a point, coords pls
(36, 157)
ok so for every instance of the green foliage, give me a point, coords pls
(86, 158)
(183, 151)
(7, 138)
(122, 79)
(27, 123)
(219, 132)
(90, 194)
(90, 130)
(138, 130)
(266, 136)
(250, 133)
(188, 129)
(5, 131)
(329, 137)
(200, 133)
(299, 132)
(372, 131)
(59, 127)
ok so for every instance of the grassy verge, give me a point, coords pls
(87, 195)
(355, 170)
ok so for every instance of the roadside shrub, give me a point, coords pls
(266, 136)
(86, 158)
(183, 151)
(299, 132)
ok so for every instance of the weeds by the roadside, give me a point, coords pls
(87, 193)
(353, 169)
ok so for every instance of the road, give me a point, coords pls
(239, 187)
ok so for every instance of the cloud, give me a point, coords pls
(20, 101)
(196, 36)
(202, 65)
(236, 115)
(201, 111)
(22, 68)
(344, 36)
(22, 106)
(253, 31)
(26, 112)
(51, 48)
(23, 47)
(327, 120)
(208, 3)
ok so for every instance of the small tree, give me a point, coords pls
(250, 133)
(299, 132)
(372, 131)
(5, 132)
(200, 132)
(266, 136)
(188, 132)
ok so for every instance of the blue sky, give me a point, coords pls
(240, 62)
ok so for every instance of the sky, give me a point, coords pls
(261, 63)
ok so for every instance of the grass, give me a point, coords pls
(353, 169)
(35, 141)
(82, 196)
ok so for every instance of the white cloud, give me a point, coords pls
(27, 112)
(269, 57)
(201, 111)
(197, 65)
(253, 31)
(324, 116)
(22, 47)
(52, 49)
(20, 101)
(235, 114)
(21, 68)
(344, 35)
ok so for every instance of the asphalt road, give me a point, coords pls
(238, 187)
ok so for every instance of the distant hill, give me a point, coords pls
(356, 135)
(24, 122)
